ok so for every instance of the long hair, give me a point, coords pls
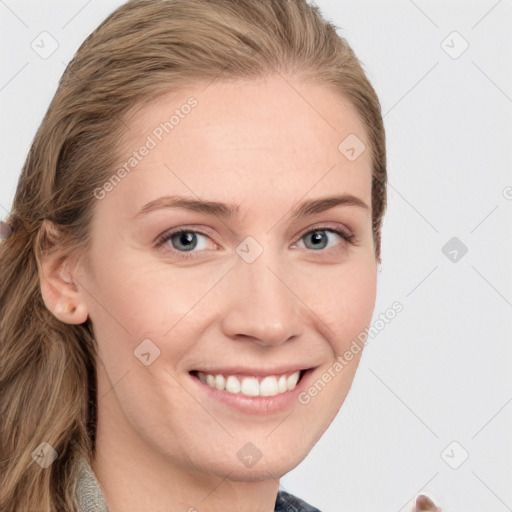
(144, 49)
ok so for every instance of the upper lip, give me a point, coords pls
(256, 372)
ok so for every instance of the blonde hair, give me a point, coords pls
(144, 49)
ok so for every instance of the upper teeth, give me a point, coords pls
(251, 386)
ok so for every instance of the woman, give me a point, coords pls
(195, 237)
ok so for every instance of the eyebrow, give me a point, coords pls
(231, 211)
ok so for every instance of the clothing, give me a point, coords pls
(90, 496)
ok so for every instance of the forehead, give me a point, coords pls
(248, 138)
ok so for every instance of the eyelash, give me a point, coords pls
(161, 240)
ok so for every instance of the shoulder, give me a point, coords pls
(286, 502)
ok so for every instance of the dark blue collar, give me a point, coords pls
(286, 502)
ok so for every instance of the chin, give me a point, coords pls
(247, 463)
(262, 470)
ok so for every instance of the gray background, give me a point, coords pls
(440, 371)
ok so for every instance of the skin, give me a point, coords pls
(161, 443)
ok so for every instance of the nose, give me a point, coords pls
(262, 305)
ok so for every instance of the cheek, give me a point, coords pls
(358, 299)
(343, 298)
(133, 299)
(139, 296)
(346, 310)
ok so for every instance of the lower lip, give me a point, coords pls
(255, 404)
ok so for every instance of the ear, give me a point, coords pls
(60, 289)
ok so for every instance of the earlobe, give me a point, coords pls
(60, 290)
(70, 313)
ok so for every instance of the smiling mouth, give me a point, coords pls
(251, 386)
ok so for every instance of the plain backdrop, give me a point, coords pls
(431, 406)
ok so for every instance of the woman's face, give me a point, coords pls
(274, 274)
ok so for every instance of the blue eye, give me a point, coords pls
(186, 241)
(319, 239)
